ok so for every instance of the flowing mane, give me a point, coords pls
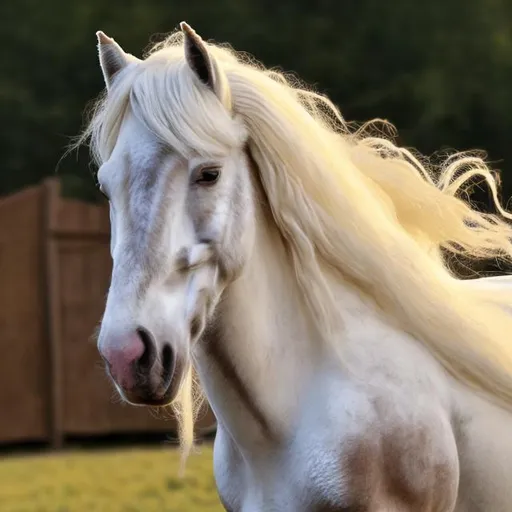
(347, 202)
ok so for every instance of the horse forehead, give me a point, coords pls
(139, 156)
(147, 183)
(137, 176)
(137, 145)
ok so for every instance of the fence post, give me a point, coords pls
(51, 192)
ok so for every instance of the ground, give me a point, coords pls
(137, 480)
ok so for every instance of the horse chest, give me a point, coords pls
(283, 486)
(263, 484)
(294, 480)
(400, 469)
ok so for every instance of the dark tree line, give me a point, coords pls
(439, 70)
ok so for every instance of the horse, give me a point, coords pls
(294, 263)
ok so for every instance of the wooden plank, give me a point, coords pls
(53, 308)
(24, 397)
(74, 216)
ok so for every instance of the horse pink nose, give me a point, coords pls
(123, 355)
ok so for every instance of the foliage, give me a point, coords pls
(440, 70)
(142, 480)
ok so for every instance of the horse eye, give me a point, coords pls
(207, 176)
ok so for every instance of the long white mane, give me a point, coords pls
(346, 201)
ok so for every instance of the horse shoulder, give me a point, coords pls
(401, 464)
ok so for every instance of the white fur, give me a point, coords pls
(336, 312)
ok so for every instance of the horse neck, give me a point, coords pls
(263, 354)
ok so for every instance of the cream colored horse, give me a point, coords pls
(290, 261)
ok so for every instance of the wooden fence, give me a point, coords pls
(55, 268)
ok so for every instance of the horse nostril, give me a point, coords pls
(167, 364)
(149, 355)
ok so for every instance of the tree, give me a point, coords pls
(439, 70)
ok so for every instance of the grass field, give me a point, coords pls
(138, 480)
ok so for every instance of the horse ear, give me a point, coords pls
(203, 64)
(112, 57)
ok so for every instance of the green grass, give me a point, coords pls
(138, 480)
